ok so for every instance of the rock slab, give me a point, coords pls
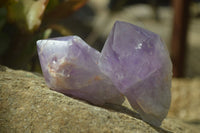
(27, 105)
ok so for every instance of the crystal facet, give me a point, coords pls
(70, 66)
(140, 67)
(134, 62)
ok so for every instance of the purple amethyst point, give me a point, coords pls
(139, 65)
(70, 66)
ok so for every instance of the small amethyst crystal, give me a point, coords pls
(134, 62)
(70, 66)
(140, 67)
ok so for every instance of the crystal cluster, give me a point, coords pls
(133, 63)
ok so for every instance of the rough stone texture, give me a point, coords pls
(186, 100)
(27, 105)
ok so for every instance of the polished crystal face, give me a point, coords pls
(134, 62)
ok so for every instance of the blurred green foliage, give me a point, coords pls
(26, 13)
(23, 22)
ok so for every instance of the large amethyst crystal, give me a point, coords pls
(134, 62)
(70, 66)
(139, 65)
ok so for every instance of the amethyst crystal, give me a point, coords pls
(139, 65)
(70, 66)
(134, 62)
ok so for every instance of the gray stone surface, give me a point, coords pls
(27, 105)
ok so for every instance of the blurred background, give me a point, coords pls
(23, 22)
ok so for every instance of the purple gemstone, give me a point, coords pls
(134, 62)
(139, 65)
(70, 66)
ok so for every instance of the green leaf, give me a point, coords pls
(27, 14)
